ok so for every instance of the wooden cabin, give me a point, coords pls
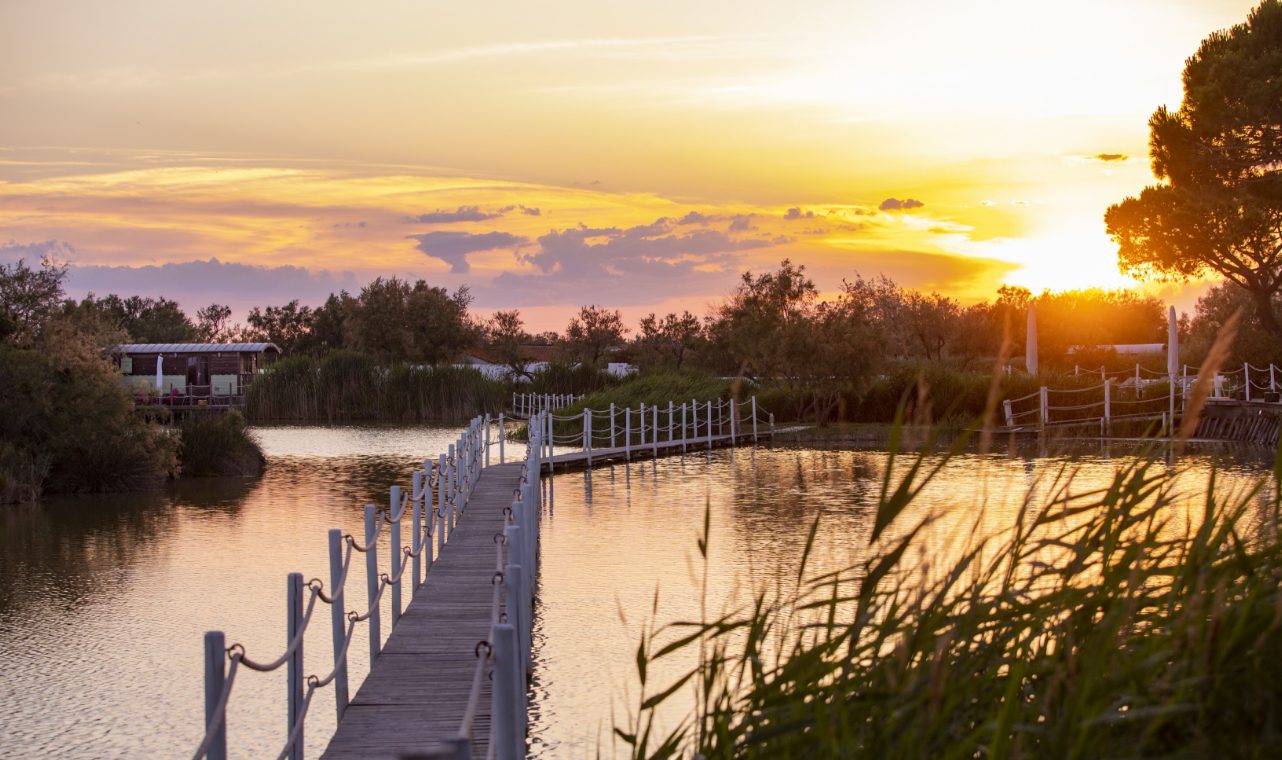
(195, 374)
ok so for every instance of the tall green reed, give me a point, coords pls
(1098, 625)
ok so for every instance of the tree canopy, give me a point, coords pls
(1219, 210)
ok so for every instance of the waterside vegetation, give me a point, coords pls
(1102, 624)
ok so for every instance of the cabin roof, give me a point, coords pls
(195, 348)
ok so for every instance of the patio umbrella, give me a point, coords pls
(160, 372)
(1030, 346)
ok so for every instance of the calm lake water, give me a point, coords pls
(104, 601)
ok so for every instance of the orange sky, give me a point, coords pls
(557, 154)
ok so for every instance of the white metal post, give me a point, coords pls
(1108, 406)
(338, 619)
(671, 422)
(654, 429)
(294, 666)
(587, 434)
(371, 582)
(754, 419)
(1246, 378)
(394, 537)
(641, 426)
(612, 444)
(417, 500)
(502, 438)
(442, 533)
(1010, 417)
(685, 431)
(487, 440)
(215, 675)
(506, 694)
(1043, 399)
(709, 426)
(627, 433)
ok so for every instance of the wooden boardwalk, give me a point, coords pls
(575, 460)
(414, 697)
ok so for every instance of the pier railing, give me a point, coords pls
(439, 495)
(1140, 395)
(648, 427)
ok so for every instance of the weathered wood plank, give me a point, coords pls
(414, 697)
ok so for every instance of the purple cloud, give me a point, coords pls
(796, 213)
(452, 246)
(894, 204)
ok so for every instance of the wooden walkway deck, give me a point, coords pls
(415, 695)
(576, 460)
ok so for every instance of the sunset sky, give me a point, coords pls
(555, 154)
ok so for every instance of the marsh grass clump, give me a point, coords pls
(347, 386)
(1101, 624)
(218, 443)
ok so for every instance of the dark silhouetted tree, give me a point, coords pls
(1219, 210)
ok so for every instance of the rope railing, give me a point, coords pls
(1143, 393)
(439, 494)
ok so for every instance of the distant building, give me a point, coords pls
(487, 361)
(203, 374)
(1123, 349)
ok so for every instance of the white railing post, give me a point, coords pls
(733, 413)
(1273, 386)
(612, 443)
(294, 666)
(394, 537)
(1219, 385)
(442, 533)
(642, 424)
(215, 675)
(709, 426)
(754, 419)
(654, 428)
(487, 439)
(1043, 398)
(1138, 387)
(685, 430)
(627, 433)
(1010, 417)
(417, 500)
(1246, 378)
(1108, 407)
(671, 422)
(371, 582)
(338, 619)
(506, 693)
(502, 438)
(772, 425)
(587, 434)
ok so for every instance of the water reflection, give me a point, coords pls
(622, 549)
(104, 600)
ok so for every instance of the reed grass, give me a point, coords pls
(1100, 625)
(346, 386)
(218, 443)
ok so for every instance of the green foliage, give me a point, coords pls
(1220, 208)
(1098, 625)
(347, 386)
(657, 388)
(28, 298)
(592, 332)
(218, 443)
(144, 320)
(67, 425)
(572, 379)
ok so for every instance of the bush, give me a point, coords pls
(574, 380)
(68, 426)
(216, 443)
